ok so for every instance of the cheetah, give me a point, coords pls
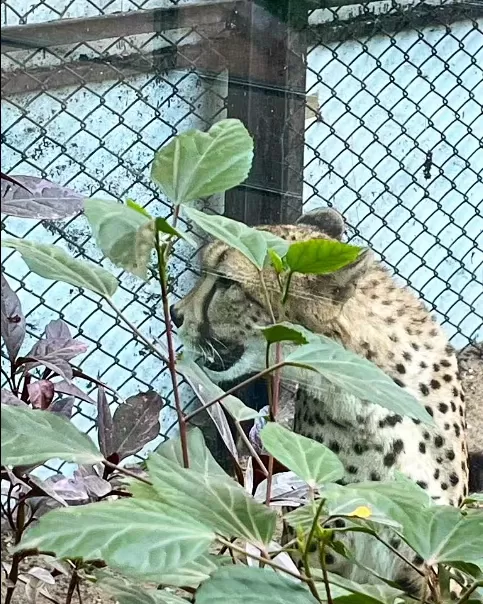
(365, 310)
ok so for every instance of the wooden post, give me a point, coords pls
(266, 60)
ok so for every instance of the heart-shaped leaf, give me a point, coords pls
(57, 330)
(135, 423)
(198, 164)
(30, 437)
(356, 376)
(40, 199)
(55, 350)
(308, 459)
(220, 502)
(153, 536)
(13, 320)
(242, 585)
(247, 240)
(125, 235)
(284, 332)
(41, 393)
(320, 256)
(51, 262)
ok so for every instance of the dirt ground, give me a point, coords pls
(471, 364)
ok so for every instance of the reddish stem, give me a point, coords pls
(163, 280)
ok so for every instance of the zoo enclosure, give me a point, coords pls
(373, 108)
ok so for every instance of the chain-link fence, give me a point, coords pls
(373, 108)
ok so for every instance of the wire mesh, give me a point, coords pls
(393, 139)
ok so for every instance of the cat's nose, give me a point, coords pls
(176, 316)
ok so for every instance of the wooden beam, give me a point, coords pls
(117, 25)
(266, 90)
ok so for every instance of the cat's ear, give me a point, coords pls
(326, 220)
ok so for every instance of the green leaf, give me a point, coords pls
(133, 535)
(246, 240)
(284, 332)
(189, 575)
(51, 262)
(33, 436)
(350, 592)
(392, 503)
(310, 460)
(163, 226)
(442, 534)
(207, 391)
(125, 235)
(245, 585)
(219, 502)
(198, 164)
(276, 261)
(320, 256)
(201, 460)
(135, 206)
(356, 376)
(473, 498)
(275, 243)
(126, 592)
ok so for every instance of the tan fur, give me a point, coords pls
(365, 310)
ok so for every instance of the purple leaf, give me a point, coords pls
(63, 406)
(40, 199)
(60, 367)
(57, 329)
(104, 424)
(55, 350)
(41, 393)
(94, 485)
(13, 321)
(69, 489)
(10, 399)
(46, 487)
(64, 387)
(136, 423)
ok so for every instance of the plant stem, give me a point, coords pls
(127, 472)
(305, 555)
(7, 377)
(261, 559)
(249, 380)
(466, 594)
(403, 558)
(321, 548)
(163, 280)
(17, 557)
(250, 447)
(266, 296)
(73, 583)
(136, 331)
(287, 287)
(424, 589)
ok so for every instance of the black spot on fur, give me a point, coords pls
(415, 346)
(352, 469)
(422, 447)
(422, 484)
(444, 486)
(435, 385)
(375, 476)
(436, 474)
(438, 441)
(407, 356)
(423, 365)
(454, 479)
(435, 366)
(424, 389)
(443, 407)
(389, 460)
(429, 410)
(455, 391)
(426, 435)
(334, 446)
(398, 382)
(445, 363)
(461, 411)
(450, 454)
(416, 421)
(397, 446)
(453, 407)
(393, 337)
(433, 332)
(329, 559)
(400, 368)
(339, 523)
(457, 430)
(417, 560)
(390, 320)
(359, 449)
(447, 377)
(449, 350)
(446, 426)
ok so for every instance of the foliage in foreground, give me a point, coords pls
(141, 533)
